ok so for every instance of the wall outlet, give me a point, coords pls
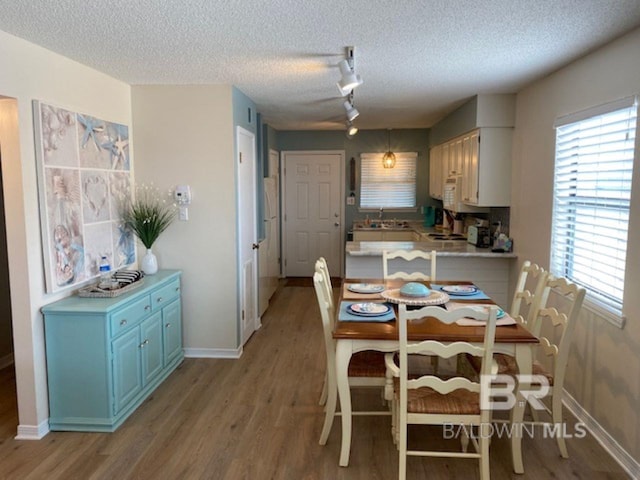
(351, 200)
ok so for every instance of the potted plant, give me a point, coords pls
(148, 215)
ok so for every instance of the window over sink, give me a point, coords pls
(390, 188)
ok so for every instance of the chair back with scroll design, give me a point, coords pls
(431, 400)
(366, 369)
(557, 344)
(408, 256)
(531, 275)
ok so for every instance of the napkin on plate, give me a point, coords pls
(345, 316)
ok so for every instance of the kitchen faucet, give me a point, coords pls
(380, 214)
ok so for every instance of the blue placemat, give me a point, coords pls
(479, 295)
(345, 316)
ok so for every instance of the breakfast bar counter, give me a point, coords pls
(456, 260)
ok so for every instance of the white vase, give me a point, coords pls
(149, 263)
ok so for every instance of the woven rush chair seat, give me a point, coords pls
(427, 400)
(367, 364)
(507, 366)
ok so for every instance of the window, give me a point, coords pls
(592, 188)
(388, 187)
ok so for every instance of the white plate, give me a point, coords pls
(460, 289)
(365, 288)
(434, 298)
(368, 309)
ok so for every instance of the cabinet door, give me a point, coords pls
(127, 368)
(455, 157)
(435, 172)
(151, 347)
(444, 165)
(172, 331)
(367, 236)
(470, 168)
(397, 236)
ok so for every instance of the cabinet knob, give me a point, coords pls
(123, 322)
(144, 343)
(159, 299)
(177, 289)
(167, 325)
(147, 307)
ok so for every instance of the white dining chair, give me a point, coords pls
(431, 400)
(366, 369)
(554, 326)
(322, 268)
(530, 292)
(409, 256)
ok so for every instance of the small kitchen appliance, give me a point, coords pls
(479, 236)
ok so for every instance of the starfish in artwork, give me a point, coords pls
(91, 127)
(120, 145)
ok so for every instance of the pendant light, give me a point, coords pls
(389, 158)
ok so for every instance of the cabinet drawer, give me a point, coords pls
(164, 295)
(122, 320)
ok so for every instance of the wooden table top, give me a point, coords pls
(427, 328)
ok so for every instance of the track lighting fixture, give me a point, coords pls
(351, 129)
(350, 79)
(389, 158)
(352, 112)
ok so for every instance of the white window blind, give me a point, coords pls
(592, 188)
(388, 187)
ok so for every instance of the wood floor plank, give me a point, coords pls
(258, 418)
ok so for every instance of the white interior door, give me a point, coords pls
(313, 211)
(247, 233)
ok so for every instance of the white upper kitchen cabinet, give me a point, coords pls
(486, 171)
(435, 172)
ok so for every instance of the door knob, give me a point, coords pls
(337, 224)
(255, 246)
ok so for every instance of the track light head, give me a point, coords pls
(351, 129)
(352, 112)
(349, 79)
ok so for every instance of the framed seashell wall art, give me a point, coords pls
(84, 176)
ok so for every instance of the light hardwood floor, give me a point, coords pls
(258, 418)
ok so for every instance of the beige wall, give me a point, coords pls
(604, 365)
(30, 72)
(184, 135)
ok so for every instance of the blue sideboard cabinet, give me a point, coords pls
(106, 355)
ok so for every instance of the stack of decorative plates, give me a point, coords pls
(459, 290)
(368, 309)
(365, 288)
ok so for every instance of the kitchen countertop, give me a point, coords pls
(444, 249)
(456, 248)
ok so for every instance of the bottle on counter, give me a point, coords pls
(105, 273)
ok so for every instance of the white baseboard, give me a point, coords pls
(33, 432)
(619, 454)
(6, 361)
(212, 352)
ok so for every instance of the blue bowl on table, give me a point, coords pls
(414, 289)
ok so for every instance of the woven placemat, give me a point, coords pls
(94, 291)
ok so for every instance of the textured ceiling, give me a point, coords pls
(419, 58)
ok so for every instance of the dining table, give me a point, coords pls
(356, 336)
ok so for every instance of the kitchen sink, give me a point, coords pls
(446, 237)
(384, 225)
